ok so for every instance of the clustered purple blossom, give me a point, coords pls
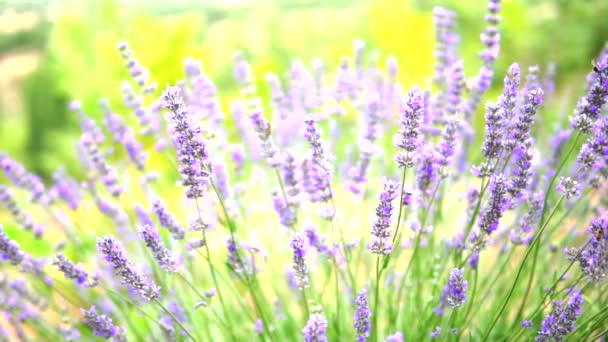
(568, 187)
(22, 217)
(299, 262)
(191, 150)
(167, 220)
(163, 256)
(589, 107)
(361, 317)
(497, 204)
(10, 249)
(562, 320)
(456, 289)
(103, 325)
(114, 254)
(396, 337)
(593, 260)
(89, 141)
(74, 272)
(381, 243)
(409, 138)
(315, 328)
(21, 178)
(318, 171)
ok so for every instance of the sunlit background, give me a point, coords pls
(55, 51)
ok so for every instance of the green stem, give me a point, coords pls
(519, 271)
(401, 204)
(376, 301)
(249, 281)
(175, 319)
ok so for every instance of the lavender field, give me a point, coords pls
(328, 202)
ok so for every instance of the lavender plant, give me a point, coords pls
(269, 230)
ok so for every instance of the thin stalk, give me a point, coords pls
(414, 252)
(537, 248)
(249, 281)
(202, 297)
(376, 302)
(175, 319)
(227, 320)
(448, 324)
(602, 334)
(470, 304)
(519, 271)
(401, 204)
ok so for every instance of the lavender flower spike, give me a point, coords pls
(561, 321)
(362, 315)
(498, 202)
(568, 187)
(594, 259)
(162, 255)
(102, 325)
(167, 220)
(456, 288)
(114, 254)
(589, 107)
(74, 272)
(10, 250)
(191, 150)
(381, 243)
(315, 329)
(299, 264)
(409, 138)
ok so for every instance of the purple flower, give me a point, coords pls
(428, 170)
(561, 321)
(10, 250)
(315, 328)
(381, 243)
(262, 128)
(289, 168)
(589, 107)
(21, 178)
(163, 256)
(299, 262)
(456, 289)
(191, 150)
(498, 202)
(568, 187)
(594, 152)
(409, 138)
(593, 260)
(114, 254)
(446, 147)
(526, 324)
(396, 337)
(236, 262)
(102, 325)
(286, 213)
(435, 333)
(527, 223)
(90, 143)
(492, 144)
(520, 128)
(167, 220)
(74, 272)
(124, 135)
(67, 189)
(320, 174)
(491, 39)
(361, 317)
(23, 218)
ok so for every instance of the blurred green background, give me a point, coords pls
(54, 51)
